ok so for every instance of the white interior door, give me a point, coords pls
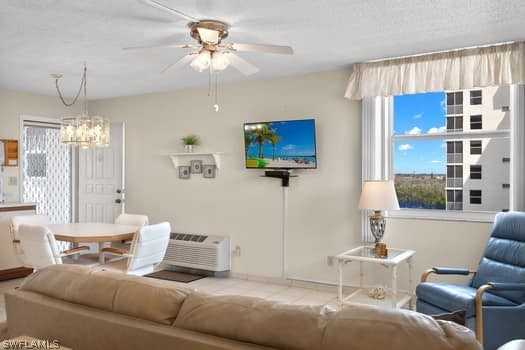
(101, 179)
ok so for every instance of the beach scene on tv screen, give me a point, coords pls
(286, 144)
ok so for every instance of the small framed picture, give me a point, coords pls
(184, 172)
(196, 166)
(209, 170)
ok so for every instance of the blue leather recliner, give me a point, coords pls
(494, 299)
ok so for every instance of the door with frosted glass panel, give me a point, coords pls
(47, 171)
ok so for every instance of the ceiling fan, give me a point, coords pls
(210, 54)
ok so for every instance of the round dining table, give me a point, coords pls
(86, 232)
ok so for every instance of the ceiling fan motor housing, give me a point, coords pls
(220, 27)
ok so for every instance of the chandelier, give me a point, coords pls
(82, 130)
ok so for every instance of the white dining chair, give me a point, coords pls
(131, 220)
(40, 247)
(16, 221)
(147, 250)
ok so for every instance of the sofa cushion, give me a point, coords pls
(3, 330)
(359, 327)
(149, 300)
(454, 297)
(133, 296)
(254, 320)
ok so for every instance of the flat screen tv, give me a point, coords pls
(287, 144)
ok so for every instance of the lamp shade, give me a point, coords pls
(378, 195)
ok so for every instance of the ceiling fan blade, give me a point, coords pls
(209, 36)
(284, 50)
(155, 47)
(170, 10)
(241, 64)
(179, 64)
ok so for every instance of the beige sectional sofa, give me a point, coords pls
(86, 309)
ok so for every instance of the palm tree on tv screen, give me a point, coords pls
(274, 139)
(249, 139)
(261, 135)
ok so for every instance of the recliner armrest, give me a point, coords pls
(451, 271)
(445, 271)
(479, 301)
(506, 286)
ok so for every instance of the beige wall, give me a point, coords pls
(240, 203)
(323, 215)
(323, 219)
(14, 104)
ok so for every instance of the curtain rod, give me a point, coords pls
(441, 51)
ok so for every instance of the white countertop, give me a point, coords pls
(14, 204)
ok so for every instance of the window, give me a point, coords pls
(455, 123)
(455, 102)
(454, 151)
(475, 97)
(475, 122)
(475, 196)
(475, 172)
(454, 199)
(436, 170)
(454, 175)
(475, 147)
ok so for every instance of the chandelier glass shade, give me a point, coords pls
(83, 130)
(202, 61)
(220, 61)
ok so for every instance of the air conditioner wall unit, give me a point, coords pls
(210, 253)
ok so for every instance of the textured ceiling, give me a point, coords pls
(39, 37)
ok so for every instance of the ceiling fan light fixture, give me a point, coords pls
(202, 61)
(219, 61)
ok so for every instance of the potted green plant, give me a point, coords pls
(189, 142)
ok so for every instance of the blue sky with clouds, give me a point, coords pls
(419, 114)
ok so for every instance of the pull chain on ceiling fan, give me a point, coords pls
(210, 53)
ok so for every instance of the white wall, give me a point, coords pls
(323, 215)
(12, 105)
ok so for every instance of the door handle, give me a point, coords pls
(118, 201)
(120, 191)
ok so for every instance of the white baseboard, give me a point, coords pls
(293, 281)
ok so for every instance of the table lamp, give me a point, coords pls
(378, 196)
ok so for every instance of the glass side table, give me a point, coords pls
(363, 254)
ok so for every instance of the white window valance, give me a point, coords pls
(451, 70)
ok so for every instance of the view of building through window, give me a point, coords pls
(451, 150)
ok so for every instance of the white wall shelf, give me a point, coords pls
(178, 158)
